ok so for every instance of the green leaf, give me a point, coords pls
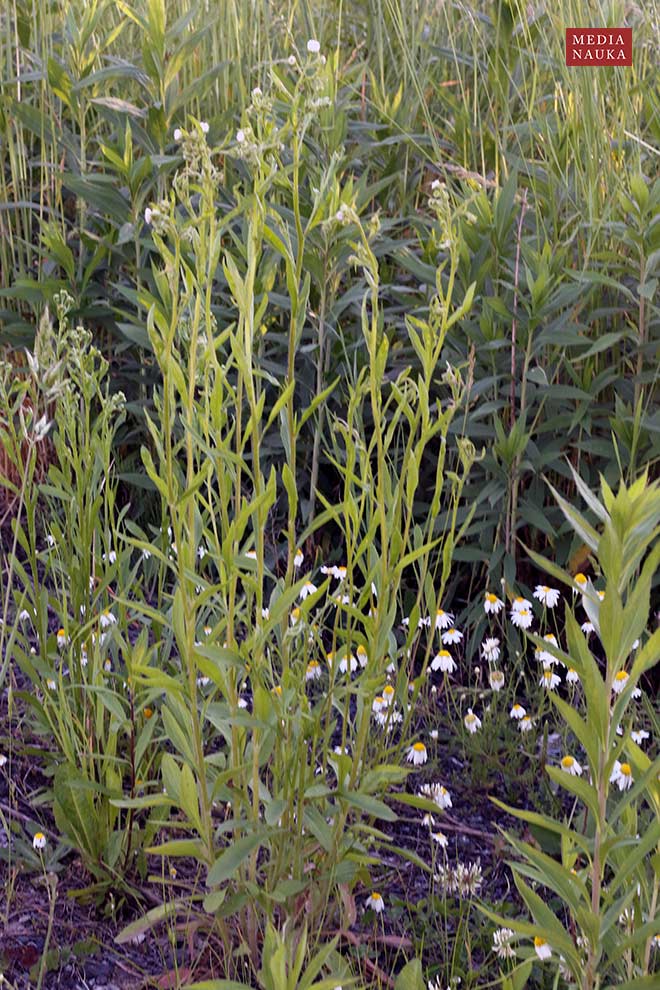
(411, 977)
(227, 864)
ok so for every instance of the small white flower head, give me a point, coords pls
(23, 615)
(517, 712)
(107, 619)
(472, 722)
(521, 604)
(620, 681)
(549, 680)
(62, 639)
(502, 943)
(521, 618)
(547, 596)
(240, 136)
(203, 126)
(436, 793)
(257, 93)
(639, 735)
(433, 734)
(348, 661)
(440, 838)
(313, 672)
(39, 841)
(417, 754)
(622, 775)
(490, 649)
(299, 558)
(362, 655)
(492, 604)
(313, 46)
(581, 580)
(177, 134)
(443, 620)
(307, 589)
(443, 661)
(526, 723)
(148, 217)
(451, 636)
(111, 557)
(572, 676)
(291, 60)
(3, 760)
(375, 902)
(587, 628)
(570, 765)
(496, 680)
(388, 694)
(294, 617)
(50, 539)
(541, 947)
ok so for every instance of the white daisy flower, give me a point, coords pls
(526, 723)
(50, 684)
(522, 618)
(307, 589)
(620, 681)
(348, 660)
(436, 793)
(541, 947)
(496, 680)
(388, 694)
(639, 735)
(294, 617)
(111, 557)
(622, 775)
(204, 127)
(39, 840)
(107, 619)
(520, 604)
(23, 615)
(451, 636)
(570, 765)
(62, 639)
(492, 604)
(291, 60)
(313, 671)
(362, 655)
(443, 661)
(517, 712)
(547, 596)
(443, 620)
(378, 704)
(375, 902)
(490, 649)
(417, 754)
(313, 46)
(472, 722)
(299, 558)
(587, 628)
(572, 676)
(549, 680)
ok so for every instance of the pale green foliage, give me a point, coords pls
(608, 878)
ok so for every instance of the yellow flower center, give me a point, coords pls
(538, 942)
(580, 578)
(419, 747)
(621, 676)
(567, 761)
(490, 597)
(625, 769)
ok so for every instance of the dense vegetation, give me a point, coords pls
(329, 423)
